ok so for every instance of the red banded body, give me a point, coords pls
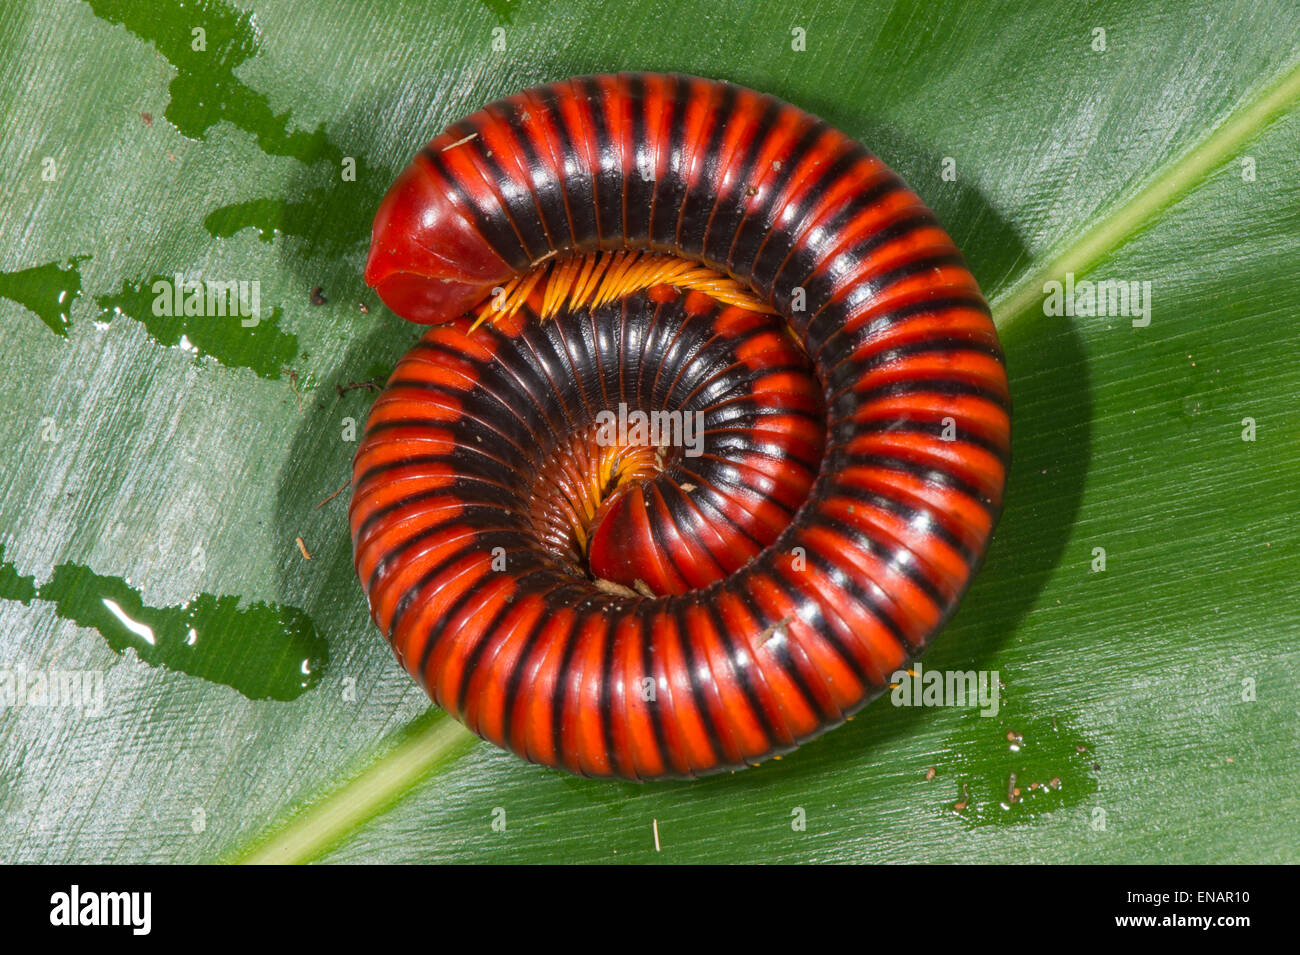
(679, 246)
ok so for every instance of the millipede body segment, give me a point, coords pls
(707, 439)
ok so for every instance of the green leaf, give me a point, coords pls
(181, 468)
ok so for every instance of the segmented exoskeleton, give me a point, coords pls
(670, 245)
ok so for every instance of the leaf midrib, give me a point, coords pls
(1169, 184)
(434, 740)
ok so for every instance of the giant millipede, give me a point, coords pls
(689, 251)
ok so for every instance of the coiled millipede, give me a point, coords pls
(687, 251)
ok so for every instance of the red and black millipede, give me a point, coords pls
(670, 244)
